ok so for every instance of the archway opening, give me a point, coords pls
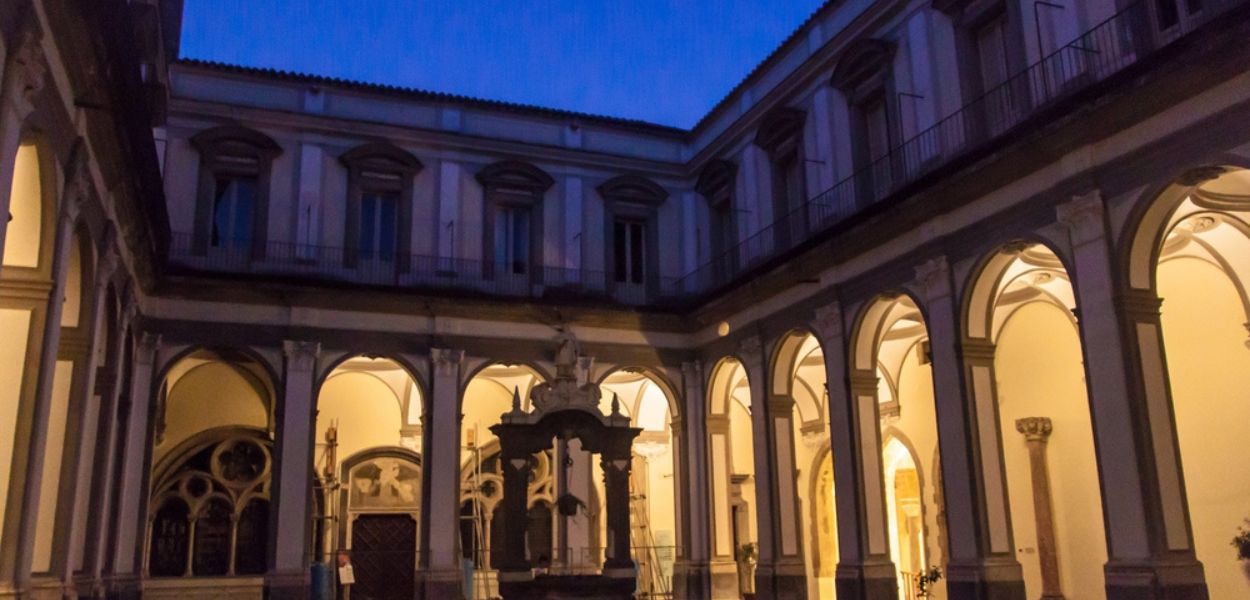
(368, 463)
(799, 374)
(212, 463)
(731, 447)
(1202, 270)
(892, 361)
(1022, 310)
(488, 395)
(654, 526)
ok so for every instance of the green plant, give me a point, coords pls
(925, 580)
(1242, 541)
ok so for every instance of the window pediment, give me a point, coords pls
(515, 176)
(634, 189)
(864, 62)
(716, 179)
(235, 144)
(780, 128)
(380, 159)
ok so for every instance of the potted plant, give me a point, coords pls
(1242, 543)
(925, 582)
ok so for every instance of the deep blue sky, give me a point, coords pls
(665, 61)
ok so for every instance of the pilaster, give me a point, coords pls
(1149, 541)
(442, 576)
(864, 570)
(982, 559)
(133, 410)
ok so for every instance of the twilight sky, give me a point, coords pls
(664, 61)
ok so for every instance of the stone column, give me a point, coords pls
(617, 560)
(129, 524)
(291, 485)
(751, 353)
(1036, 432)
(442, 578)
(24, 74)
(864, 571)
(982, 563)
(87, 401)
(1150, 553)
(691, 574)
(76, 189)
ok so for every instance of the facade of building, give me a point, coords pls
(948, 288)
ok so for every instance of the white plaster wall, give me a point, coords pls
(21, 242)
(209, 395)
(49, 484)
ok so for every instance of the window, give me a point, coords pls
(991, 45)
(233, 200)
(1172, 12)
(864, 76)
(379, 209)
(234, 203)
(716, 183)
(379, 215)
(781, 135)
(512, 239)
(513, 217)
(629, 251)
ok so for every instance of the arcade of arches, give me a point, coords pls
(981, 408)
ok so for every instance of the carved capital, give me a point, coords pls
(26, 71)
(106, 266)
(933, 278)
(145, 347)
(1083, 216)
(446, 362)
(300, 355)
(1200, 175)
(828, 321)
(78, 184)
(751, 350)
(1035, 429)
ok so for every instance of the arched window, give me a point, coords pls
(379, 204)
(232, 203)
(210, 512)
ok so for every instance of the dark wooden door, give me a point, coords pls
(384, 557)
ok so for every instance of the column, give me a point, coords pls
(443, 575)
(1148, 533)
(24, 74)
(87, 399)
(751, 353)
(129, 523)
(71, 201)
(691, 573)
(291, 488)
(864, 570)
(617, 560)
(1036, 432)
(982, 561)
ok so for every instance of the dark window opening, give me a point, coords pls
(628, 239)
(512, 239)
(378, 225)
(234, 201)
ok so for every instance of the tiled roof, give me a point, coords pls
(636, 124)
(415, 93)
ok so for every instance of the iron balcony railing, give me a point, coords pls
(284, 260)
(1122, 40)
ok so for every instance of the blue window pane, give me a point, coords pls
(368, 225)
(244, 201)
(520, 240)
(386, 227)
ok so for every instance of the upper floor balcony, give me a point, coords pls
(1019, 104)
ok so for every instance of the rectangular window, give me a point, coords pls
(234, 200)
(628, 239)
(378, 223)
(991, 40)
(877, 121)
(1171, 12)
(512, 239)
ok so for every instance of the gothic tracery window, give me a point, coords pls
(210, 509)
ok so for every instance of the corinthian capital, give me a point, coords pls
(300, 355)
(446, 361)
(1083, 217)
(828, 321)
(933, 278)
(1035, 429)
